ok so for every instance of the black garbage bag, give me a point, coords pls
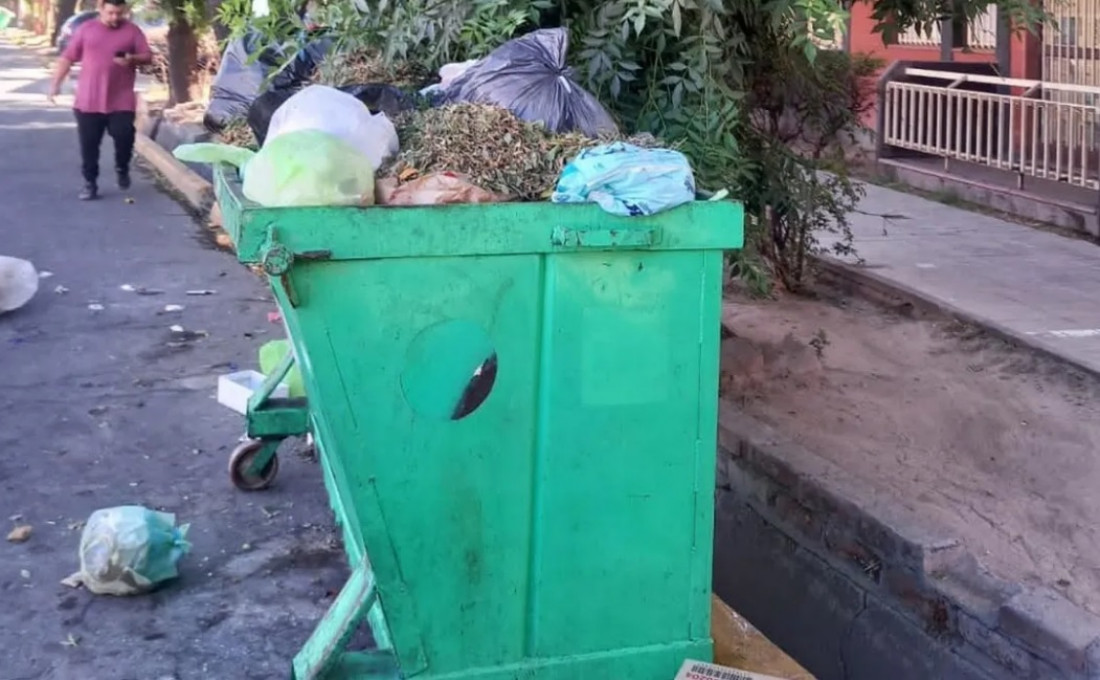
(382, 98)
(529, 77)
(263, 108)
(240, 79)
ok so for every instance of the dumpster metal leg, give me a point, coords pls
(324, 650)
(255, 463)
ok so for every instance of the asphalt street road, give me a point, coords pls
(103, 407)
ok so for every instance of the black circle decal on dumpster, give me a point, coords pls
(450, 370)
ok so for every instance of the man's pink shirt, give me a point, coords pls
(103, 86)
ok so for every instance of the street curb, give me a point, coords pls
(197, 193)
(862, 282)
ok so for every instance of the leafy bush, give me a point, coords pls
(738, 85)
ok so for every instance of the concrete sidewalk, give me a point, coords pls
(1036, 287)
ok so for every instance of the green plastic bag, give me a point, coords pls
(300, 168)
(271, 353)
(128, 550)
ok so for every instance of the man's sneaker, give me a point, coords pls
(124, 179)
(89, 192)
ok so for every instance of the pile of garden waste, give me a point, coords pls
(513, 126)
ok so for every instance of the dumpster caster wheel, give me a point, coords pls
(240, 463)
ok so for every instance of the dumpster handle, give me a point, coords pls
(568, 237)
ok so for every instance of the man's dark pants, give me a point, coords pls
(91, 126)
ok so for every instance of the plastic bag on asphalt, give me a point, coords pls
(627, 180)
(18, 283)
(129, 550)
(529, 77)
(319, 107)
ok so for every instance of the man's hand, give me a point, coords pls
(60, 73)
(125, 60)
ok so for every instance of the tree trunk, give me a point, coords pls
(183, 57)
(65, 9)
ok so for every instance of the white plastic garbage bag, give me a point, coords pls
(323, 108)
(449, 72)
(128, 550)
(18, 283)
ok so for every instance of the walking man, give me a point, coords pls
(109, 50)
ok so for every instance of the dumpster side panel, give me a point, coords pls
(444, 504)
(627, 339)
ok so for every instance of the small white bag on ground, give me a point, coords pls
(18, 283)
(129, 550)
(323, 108)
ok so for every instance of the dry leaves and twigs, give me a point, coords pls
(491, 147)
(356, 68)
(238, 133)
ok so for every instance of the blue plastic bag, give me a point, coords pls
(129, 550)
(627, 180)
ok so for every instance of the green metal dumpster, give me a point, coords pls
(515, 408)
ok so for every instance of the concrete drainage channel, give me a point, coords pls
(854, 590)
(834, 575)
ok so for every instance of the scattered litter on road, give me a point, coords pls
(202, 292)
(128, 550)
(182, 336)
(25, 574)
(20, 534)
(128, 201)
(274, 317)
(97, 410)
(96, 307)
(61, 290)
(173, 308)
(70, 641)
(140, 290)
(44, 274)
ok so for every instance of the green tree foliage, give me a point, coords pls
(738, 85)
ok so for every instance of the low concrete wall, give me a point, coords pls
(853, 588)
(1031, 206)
